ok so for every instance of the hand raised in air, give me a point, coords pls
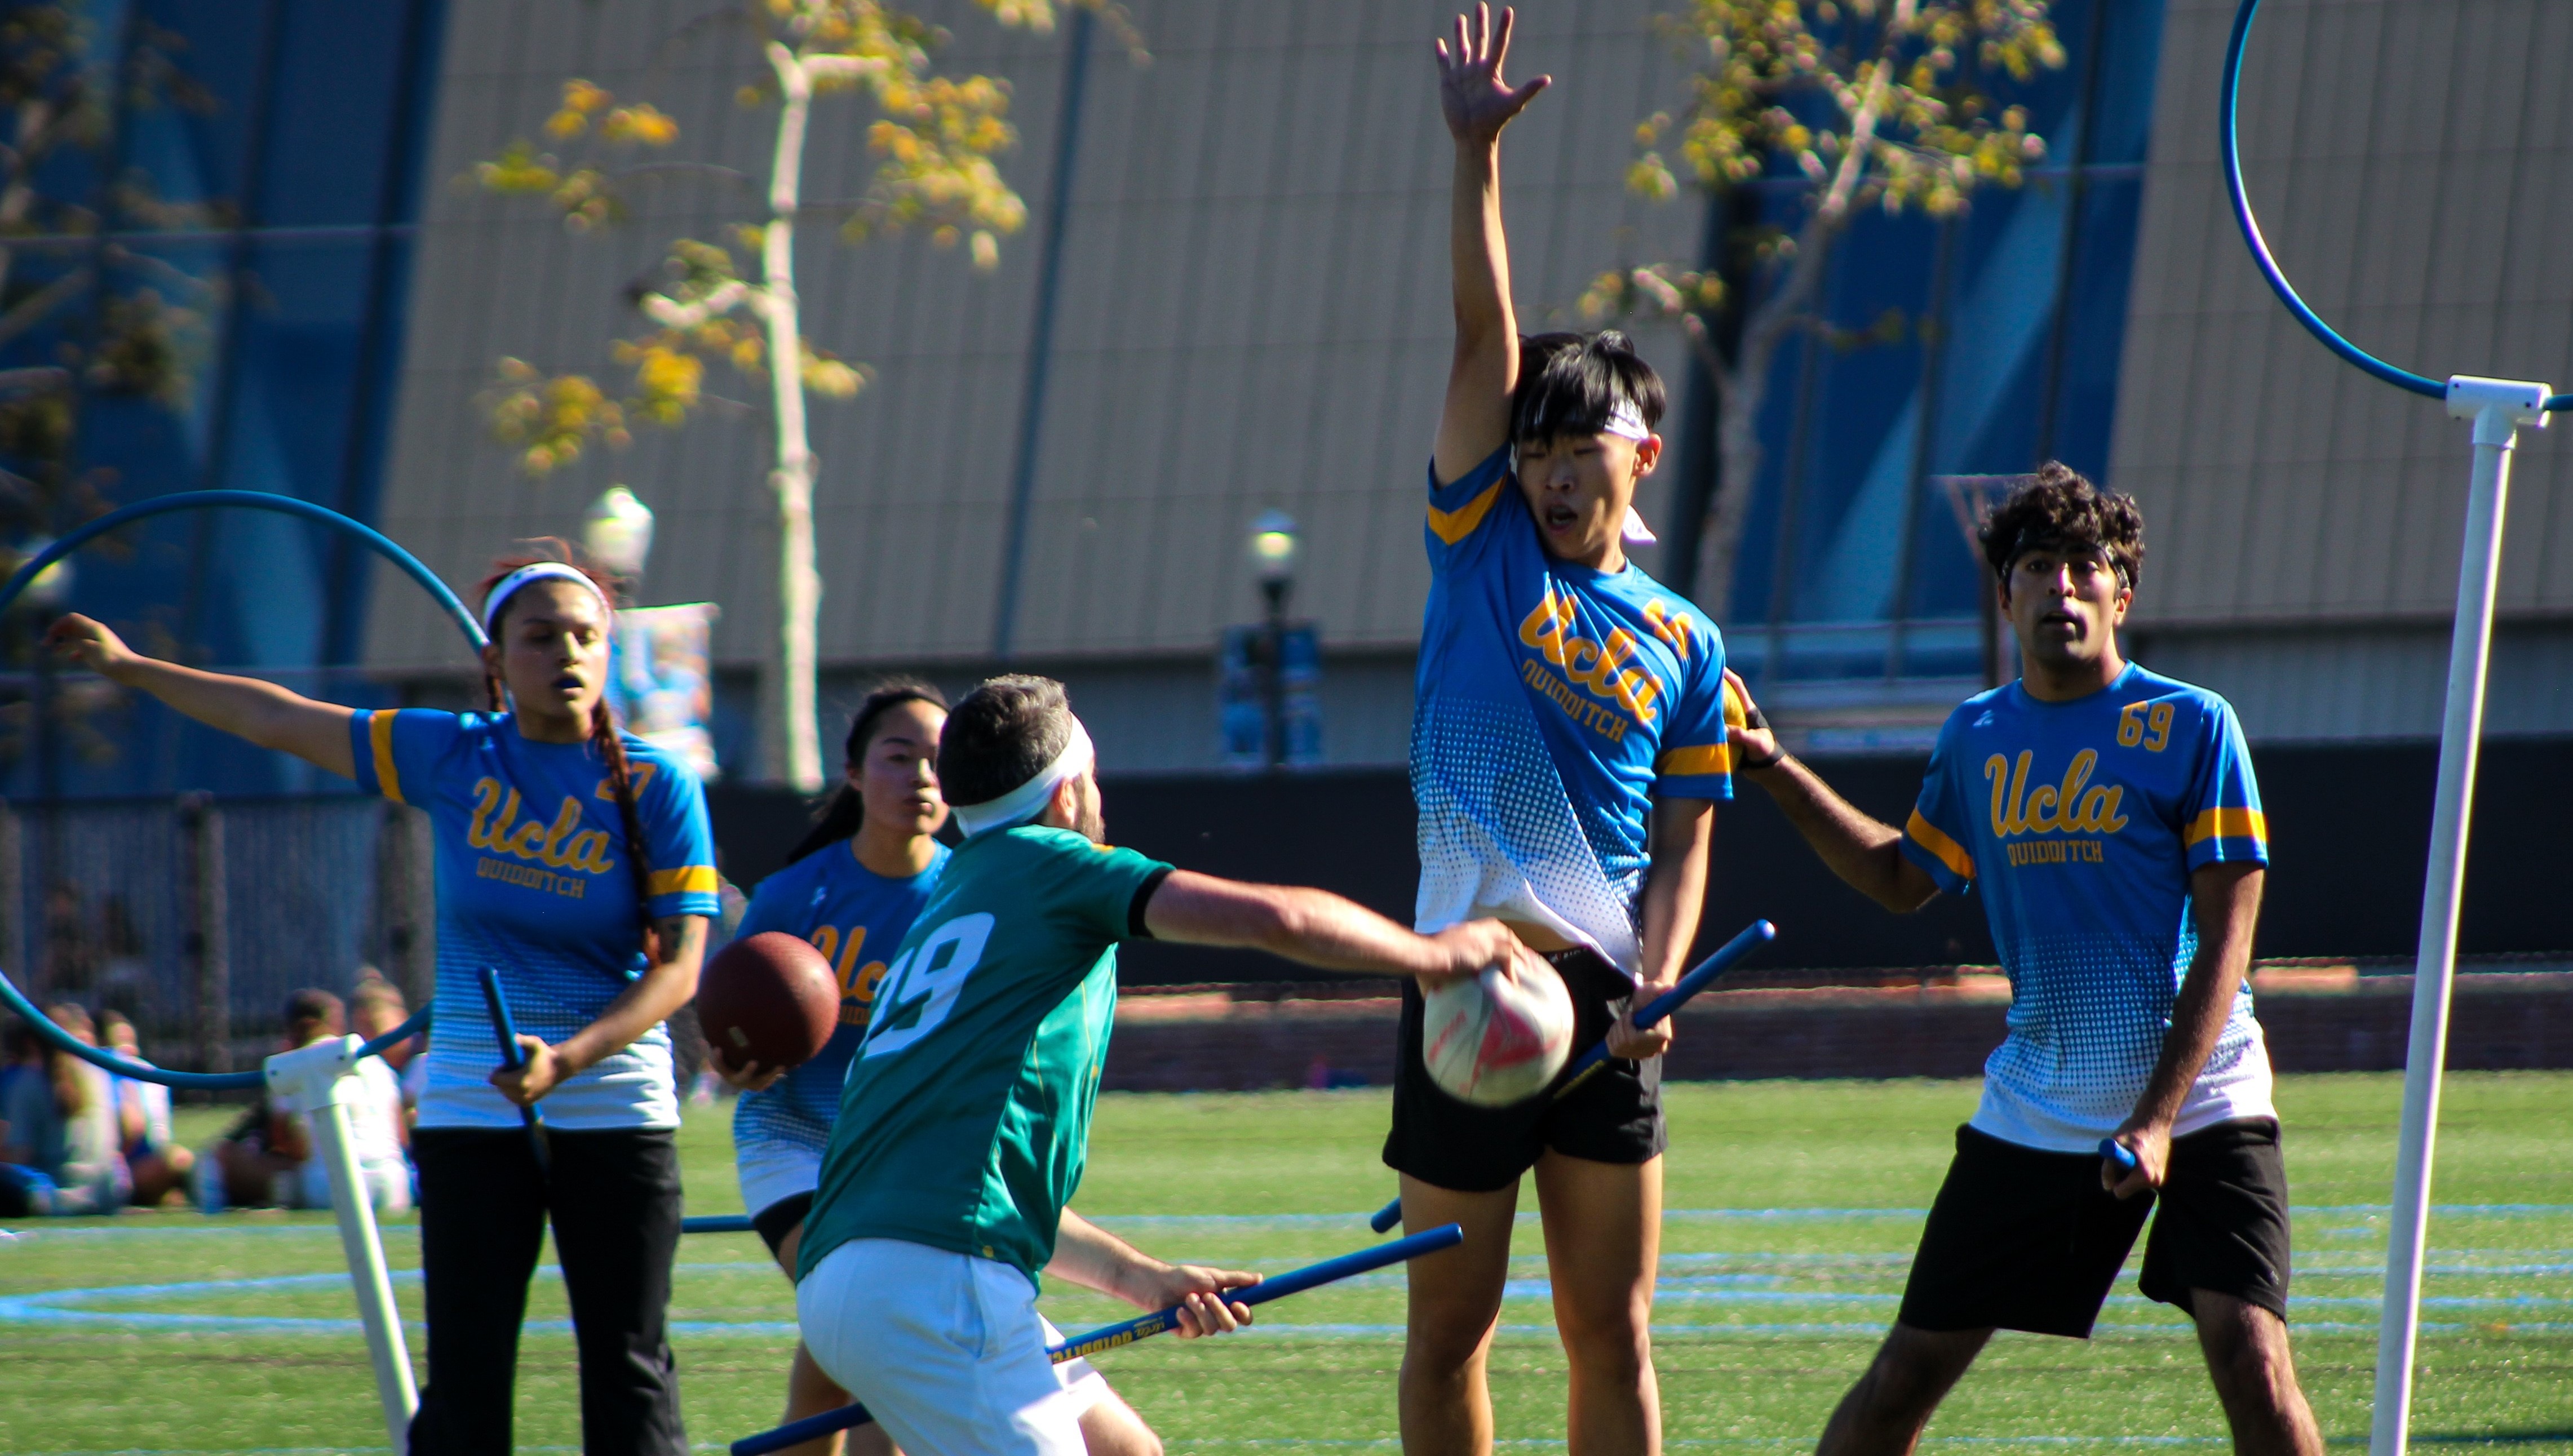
(1475, 100)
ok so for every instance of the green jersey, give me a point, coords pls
(965, 1120)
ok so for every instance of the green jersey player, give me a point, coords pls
(964, 1122)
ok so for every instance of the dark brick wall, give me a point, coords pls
(2496, 1021)
(2349, 835)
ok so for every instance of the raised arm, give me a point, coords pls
(245, 707)
(1319, 928)
(1863, 850)
(1477, 104)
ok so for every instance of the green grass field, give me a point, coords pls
(1794, 1210)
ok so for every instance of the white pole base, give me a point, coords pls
(2498, 409)
(322, 1078)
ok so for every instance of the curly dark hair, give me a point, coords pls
(2057, 510)
(1003, 734)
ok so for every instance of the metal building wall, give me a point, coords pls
(2411, 162)
(1254, 314)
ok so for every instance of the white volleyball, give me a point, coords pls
(1493, 1041)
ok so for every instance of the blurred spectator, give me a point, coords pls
(377, 1006)
(63, 1152)
(267, 1158)
(159, 1165)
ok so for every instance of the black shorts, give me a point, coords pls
(781, 1218)
(2025, 1239)
(1615, 1116)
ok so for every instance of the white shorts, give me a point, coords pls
(946, 1351)
(773, 1171)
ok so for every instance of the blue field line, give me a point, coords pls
(69, 1306)
(224, 1226)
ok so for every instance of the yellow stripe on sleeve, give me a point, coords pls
(1932, 837)
(379, 738)
(1456, 525)
(2228, 824)
(685, 880)
(1705, 758)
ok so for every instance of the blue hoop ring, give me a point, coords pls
(2230, 106)
(384, 546)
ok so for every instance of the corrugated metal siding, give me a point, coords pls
(2412, 164)
(2330, 683)
(1254, 314)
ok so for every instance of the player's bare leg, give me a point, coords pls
(1884, 1413)
(1112, 1428)
(2256, 1377)
(1603, 1237)
(1456, 1302)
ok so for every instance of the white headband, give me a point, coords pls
(1028, 800)
(1627, 422)
(538, 571)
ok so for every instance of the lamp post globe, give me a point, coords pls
(616, 531)
(1274, 548)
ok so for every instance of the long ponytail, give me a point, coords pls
(620, 782)
(837, 819)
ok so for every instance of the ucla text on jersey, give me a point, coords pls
(2079, 825)
(1555, 703)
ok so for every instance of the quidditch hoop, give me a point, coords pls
(375, 540)
(2228, 110)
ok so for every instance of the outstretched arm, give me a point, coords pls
(2224, 900)
(1319, 928)
(245, 707)
(1477, 104)
(1091, 1256)
(1860, 848)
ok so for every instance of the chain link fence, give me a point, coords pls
(195, 916)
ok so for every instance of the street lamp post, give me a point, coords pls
(1272, 556)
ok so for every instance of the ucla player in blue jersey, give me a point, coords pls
(576, 860)
(2108, 817)
(852, 888)
(1568, 750)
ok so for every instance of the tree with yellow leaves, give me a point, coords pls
(935, 139)
(1858, 103)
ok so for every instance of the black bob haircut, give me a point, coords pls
(846, 809)
(1569, 383)
(2057, 510)
(1001, 735)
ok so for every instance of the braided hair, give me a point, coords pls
(839, 815)
(604, 739)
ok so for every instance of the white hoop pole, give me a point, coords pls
(322, 1078)
(2498, 408)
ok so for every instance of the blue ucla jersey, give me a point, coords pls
(2080, 824)
(532, 881)
(854, 916)
(1554, 704)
